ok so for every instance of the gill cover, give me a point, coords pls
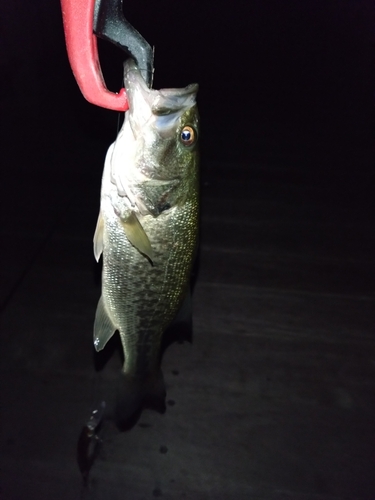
(143, 157)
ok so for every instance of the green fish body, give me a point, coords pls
(147, 228)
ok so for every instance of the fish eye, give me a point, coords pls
(188, 136)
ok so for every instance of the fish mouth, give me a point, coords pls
(163, 107)
(147, 143)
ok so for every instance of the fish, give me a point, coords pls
(147, 233)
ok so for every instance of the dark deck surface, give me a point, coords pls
(274, 399)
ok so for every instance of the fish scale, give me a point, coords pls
(147, 228)
(153, 292)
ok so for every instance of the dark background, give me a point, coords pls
(275, 398)
(288, 82)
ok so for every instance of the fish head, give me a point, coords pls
(156, 161)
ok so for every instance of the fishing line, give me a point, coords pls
(153, 67)
(118, 122)
(120, 114)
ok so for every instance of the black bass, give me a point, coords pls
(147, 230)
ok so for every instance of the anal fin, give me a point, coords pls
(103, 327)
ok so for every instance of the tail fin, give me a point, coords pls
(134, 394)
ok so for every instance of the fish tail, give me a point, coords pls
(134, 394)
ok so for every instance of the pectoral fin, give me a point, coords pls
(103, 327)
(137, 236)
(98, 238)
